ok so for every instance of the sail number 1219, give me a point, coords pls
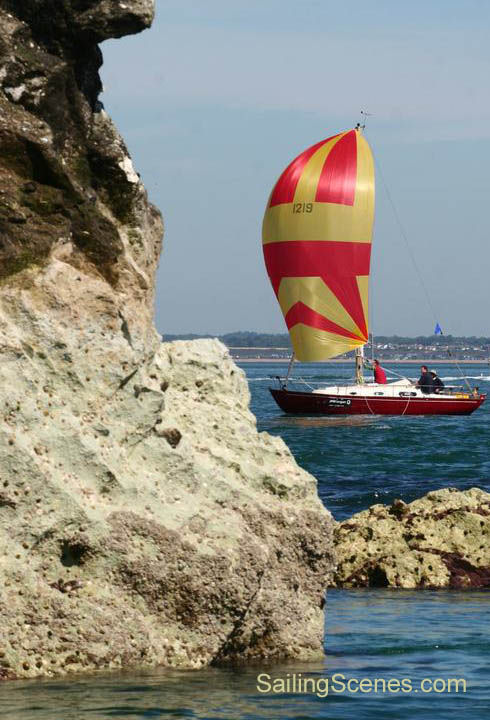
(302, 207)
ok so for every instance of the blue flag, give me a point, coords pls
(438, 329)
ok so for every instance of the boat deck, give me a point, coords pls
(398, 389)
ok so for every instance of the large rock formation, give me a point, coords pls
(440, 540)
(143, 519)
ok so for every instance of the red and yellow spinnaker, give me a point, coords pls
(317, 245)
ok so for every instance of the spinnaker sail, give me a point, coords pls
(316, 238)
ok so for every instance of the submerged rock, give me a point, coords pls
(438, 541)
(143, 519)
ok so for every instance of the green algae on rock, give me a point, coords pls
(438, 541)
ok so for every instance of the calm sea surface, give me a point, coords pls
(371, 635)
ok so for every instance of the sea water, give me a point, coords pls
(388, 653)
(363, 460)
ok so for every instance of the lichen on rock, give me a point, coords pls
(143, 519)
(438, 541)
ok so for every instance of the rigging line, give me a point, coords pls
(393, 372)
(412, 257)
(290, 368)
(301, 380)
(405, 238)
(457, 365)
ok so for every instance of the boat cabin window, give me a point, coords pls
(353, 393)
(408, 394)
(379, 393)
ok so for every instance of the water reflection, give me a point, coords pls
(369, 634)
(318, 422)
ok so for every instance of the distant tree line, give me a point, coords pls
(443, 340)
(281, 340)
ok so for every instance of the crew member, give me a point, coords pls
(425, 382)
(379, 373)
(438, 385)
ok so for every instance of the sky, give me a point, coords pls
(220, 95)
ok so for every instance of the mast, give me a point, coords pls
(360, 365)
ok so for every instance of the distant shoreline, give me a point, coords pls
(422, 361)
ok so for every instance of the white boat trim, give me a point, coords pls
(404, 389)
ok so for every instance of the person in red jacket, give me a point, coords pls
(379, 373)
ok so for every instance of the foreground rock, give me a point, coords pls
(438, 541)
(143, 520)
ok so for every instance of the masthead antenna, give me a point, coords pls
(364, 116)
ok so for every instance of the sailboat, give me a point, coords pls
(316, 236)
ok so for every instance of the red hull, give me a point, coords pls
(318, 404)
